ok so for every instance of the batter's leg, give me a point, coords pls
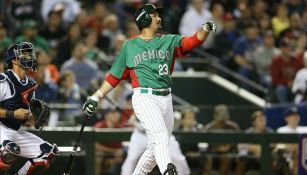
(146, 163)
(137, 146)
(149, 110)
(168, 113)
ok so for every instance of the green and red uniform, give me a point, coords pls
(150, 64)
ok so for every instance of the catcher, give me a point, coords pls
(17, 104)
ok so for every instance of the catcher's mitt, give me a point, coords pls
(40, 112)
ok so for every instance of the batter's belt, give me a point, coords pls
(159, 92)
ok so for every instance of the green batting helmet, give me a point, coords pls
(142, 17)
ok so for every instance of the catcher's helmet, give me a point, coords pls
(24, 52)
(142, 17)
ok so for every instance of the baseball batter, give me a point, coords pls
(16, 90)
(148, 60)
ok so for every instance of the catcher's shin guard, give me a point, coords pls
(8, 154)
(42, 162)
(171, 170)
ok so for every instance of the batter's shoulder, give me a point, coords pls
(163, 35)
(170, 37)
(129, 41)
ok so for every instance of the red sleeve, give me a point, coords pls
(115, 81)
(112, 80)
(189, 43)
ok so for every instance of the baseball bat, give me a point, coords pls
(70, 162)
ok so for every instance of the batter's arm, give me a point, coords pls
(117, 72)
(191, 42)
(91, 104)
(104, 89)
(202, 34)
(109, 84)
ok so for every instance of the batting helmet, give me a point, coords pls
(142, 17)
(24, 52)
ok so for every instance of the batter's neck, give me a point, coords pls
(147, 34)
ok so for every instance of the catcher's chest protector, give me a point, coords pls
(22, 93)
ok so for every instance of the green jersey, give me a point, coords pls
(149, 63)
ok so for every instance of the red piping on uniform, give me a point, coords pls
(178, 52)
(113, 81)
(126, 73)
(134, 78)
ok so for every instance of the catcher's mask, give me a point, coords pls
(24, 52)
(142, 17)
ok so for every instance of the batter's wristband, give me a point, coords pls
(9, 114)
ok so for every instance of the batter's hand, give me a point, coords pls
(21, 114)
(209, 26)
(90, 105)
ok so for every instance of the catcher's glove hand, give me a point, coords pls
(40, 112)
(209, 26)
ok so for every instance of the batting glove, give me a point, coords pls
(209, 26)
(90, 105)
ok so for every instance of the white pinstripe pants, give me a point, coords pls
(137, 146)
(156, 116)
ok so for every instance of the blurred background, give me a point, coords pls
(248, 77)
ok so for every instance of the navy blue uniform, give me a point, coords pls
(22, 93)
